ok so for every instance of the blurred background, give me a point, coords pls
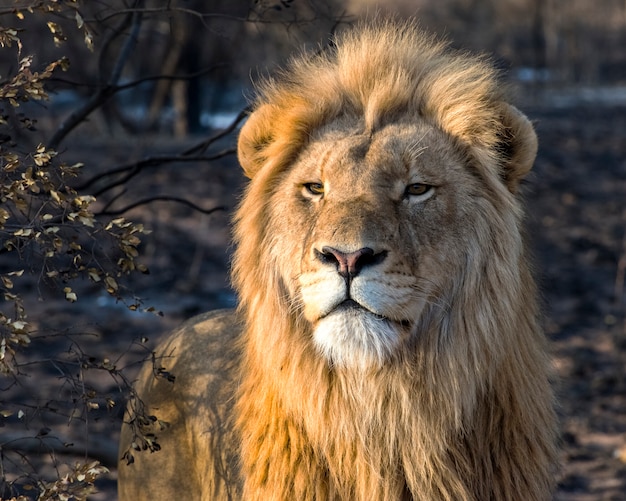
(137, 104)
(214, 49)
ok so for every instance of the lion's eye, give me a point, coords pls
(315, 189)
(417, 189)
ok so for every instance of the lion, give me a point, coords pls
(387, 343)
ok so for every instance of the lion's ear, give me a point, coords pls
(519, 146)
(254, 139)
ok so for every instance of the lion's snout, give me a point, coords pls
(349, 264)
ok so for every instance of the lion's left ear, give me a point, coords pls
(518, 146)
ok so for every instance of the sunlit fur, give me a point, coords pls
(464, 410)
(433, 383)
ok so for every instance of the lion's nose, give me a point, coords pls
(350, 264)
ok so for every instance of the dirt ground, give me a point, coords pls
(576, 226)
(577, 206)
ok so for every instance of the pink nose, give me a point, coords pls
(350, 264)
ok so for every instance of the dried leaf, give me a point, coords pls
(70, 295)
(111, 284)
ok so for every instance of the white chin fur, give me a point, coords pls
(356, 338)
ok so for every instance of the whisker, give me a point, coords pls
(430, 292)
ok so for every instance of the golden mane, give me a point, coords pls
(376, 72)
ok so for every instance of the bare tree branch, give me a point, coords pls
(139, 81)
(99, 448)
(163, 198)
(189, 76)
(190, 155)
(12, 10)
(105, 92)
(135, 168)
(159, 10)
(131, 41)
(204, 145)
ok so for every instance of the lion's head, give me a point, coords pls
(384, 176)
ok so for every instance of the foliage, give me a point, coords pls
(75, 485)
(42, 216)
(51, 229)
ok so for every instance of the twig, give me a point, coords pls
(203, 145)
(164, 198)
(135, 168)
(106, 44)
(97, 447)
(200, 15)
(113, 199)
(98, 99)
(126, 49)
(139, 81)
(12, 10)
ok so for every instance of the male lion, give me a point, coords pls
(387, 343)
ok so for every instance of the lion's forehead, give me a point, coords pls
(382, 159)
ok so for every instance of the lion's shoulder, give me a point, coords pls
(210, 324)
(205, 346)
(216, 326)
(189, 387)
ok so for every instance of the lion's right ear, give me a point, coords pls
(255, 138)
(518, 146)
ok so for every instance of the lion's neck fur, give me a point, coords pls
(364, 430)
(385, 433)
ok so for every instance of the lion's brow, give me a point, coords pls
(417, 147)
(324, 160)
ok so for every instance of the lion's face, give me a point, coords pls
(382, 203)
(366, 230)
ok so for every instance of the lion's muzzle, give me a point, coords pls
(350, 264)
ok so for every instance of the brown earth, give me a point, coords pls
(577, 227)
